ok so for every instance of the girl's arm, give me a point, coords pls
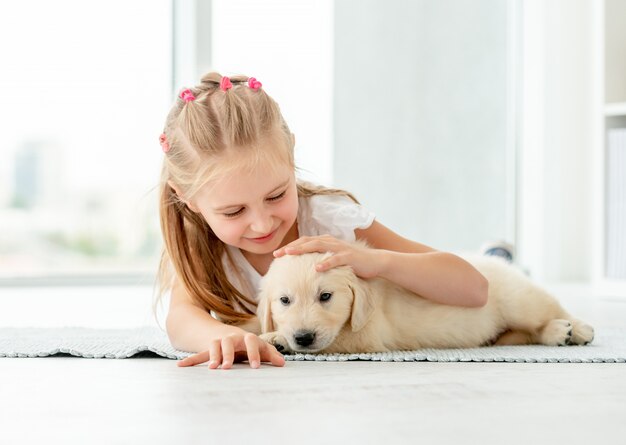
(191, 328)
(438, 276)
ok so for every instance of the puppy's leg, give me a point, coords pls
(279, 342)
(557, 332)
(533, 310)
(514, 338)
(566, 332)
(582, 333)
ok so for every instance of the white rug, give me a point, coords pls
(609, 346)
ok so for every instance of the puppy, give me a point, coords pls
(302, 310)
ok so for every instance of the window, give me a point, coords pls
(84, 91)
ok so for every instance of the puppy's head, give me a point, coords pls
(310, 308)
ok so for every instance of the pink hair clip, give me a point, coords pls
(254, 84)
(225, 84)
(187, 95)
(164, 144)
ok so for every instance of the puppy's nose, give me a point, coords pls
(304, 338)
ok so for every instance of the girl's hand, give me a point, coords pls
(237, 345)
(366, 262)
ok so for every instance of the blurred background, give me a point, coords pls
(456, 122)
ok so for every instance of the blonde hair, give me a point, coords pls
(200, 133)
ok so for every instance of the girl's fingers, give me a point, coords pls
(280, 252)
(228, 352)
(332, 261)
(192, 360)
(252, 347)
(215, 350)
(223, 352)
(291, 247)
(311, 246)
(306, 244)
(269, 353)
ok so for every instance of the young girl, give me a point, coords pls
(230, 202)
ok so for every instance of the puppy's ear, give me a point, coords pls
(264, 313)
(362, 305)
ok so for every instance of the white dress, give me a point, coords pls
(334, 215)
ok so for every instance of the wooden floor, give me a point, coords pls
(152, 401)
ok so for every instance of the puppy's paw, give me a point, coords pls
(278, 341)
(557, 332)
(582, 334)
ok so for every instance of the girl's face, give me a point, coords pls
(251, 211)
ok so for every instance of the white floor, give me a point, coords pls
(71, 400)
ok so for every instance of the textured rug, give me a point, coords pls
(609, 346)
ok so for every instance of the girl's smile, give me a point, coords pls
(263, 239)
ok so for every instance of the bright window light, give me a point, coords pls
(84, 91)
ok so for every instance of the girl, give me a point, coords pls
(230, 202)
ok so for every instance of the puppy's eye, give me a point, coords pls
(285, 300)
(325, 296)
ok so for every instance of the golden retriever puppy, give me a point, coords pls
(302, 310)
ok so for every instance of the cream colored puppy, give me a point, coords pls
(302, 310)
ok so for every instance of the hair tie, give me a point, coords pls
(164, 144)
(225, 84)
(187, 95)
(254, 84)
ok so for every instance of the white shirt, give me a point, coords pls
(334, 215)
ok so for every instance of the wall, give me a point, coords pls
(422, 117)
